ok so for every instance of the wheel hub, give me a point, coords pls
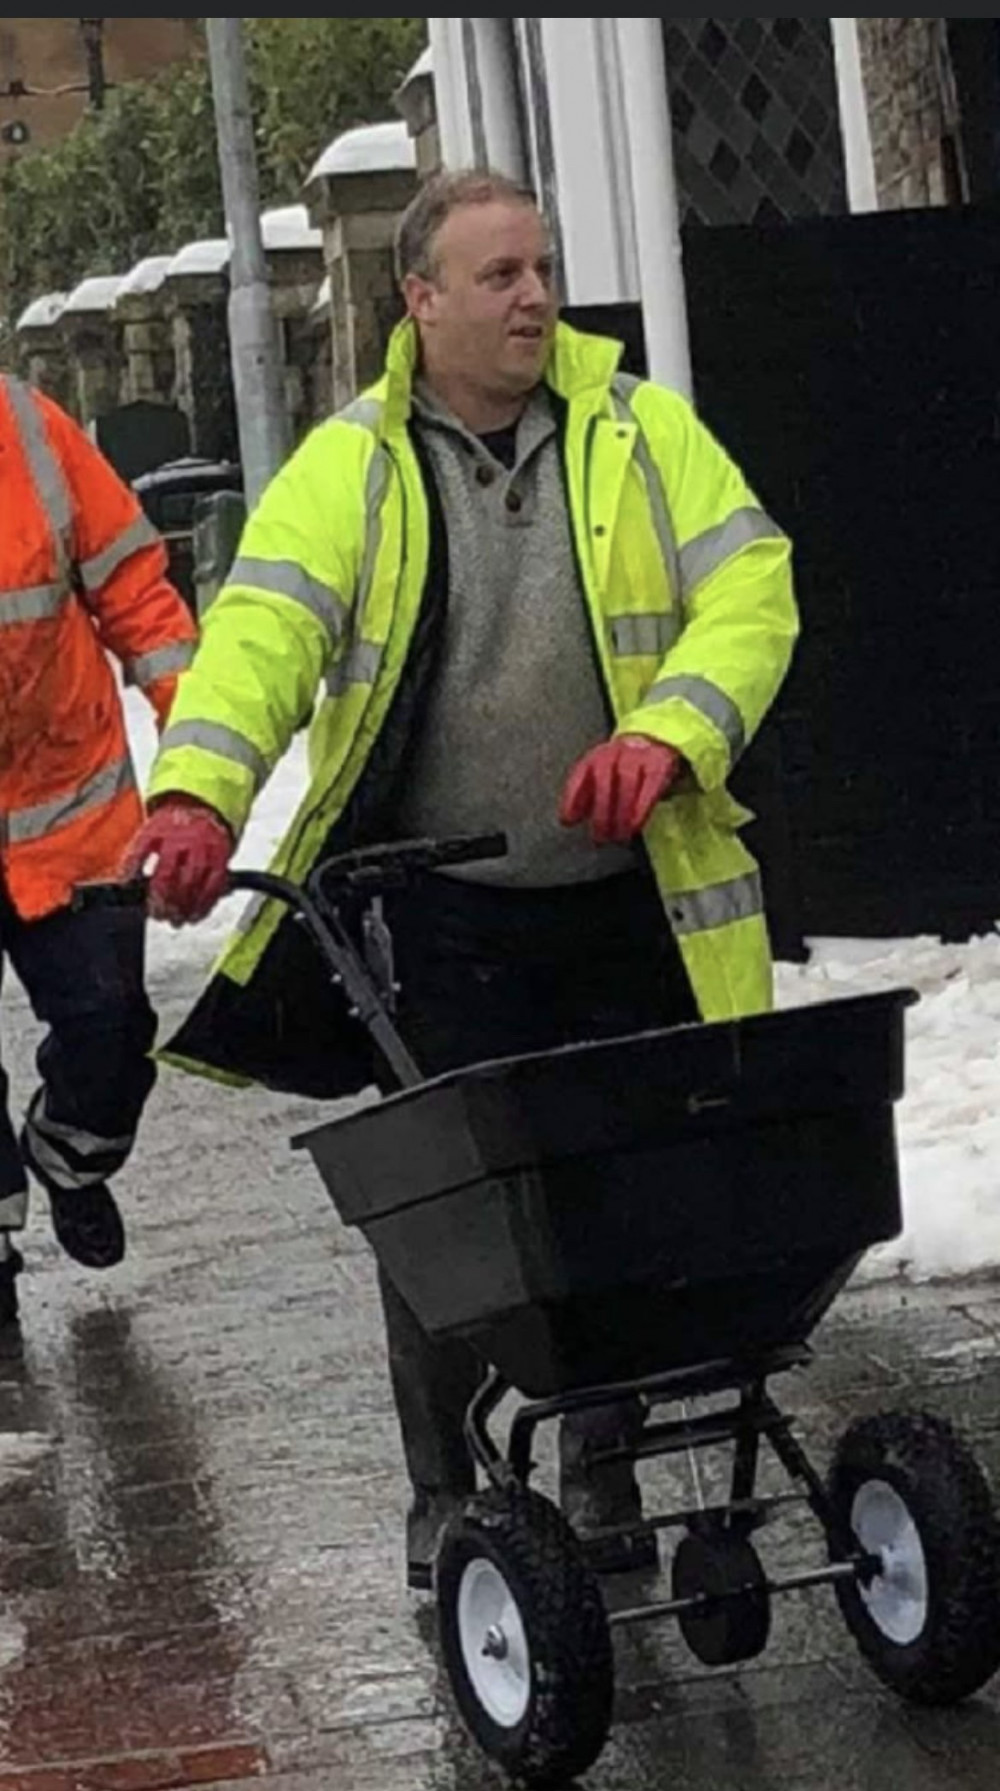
(897, 1598)
(494, 1644)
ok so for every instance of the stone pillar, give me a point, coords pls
(417, 105)
(365, 302)
(913, 112)
(42, 351)
(356, 195)
(196, 292)
(294, 252)
(321, 355)
(92, 339)
(147, 335)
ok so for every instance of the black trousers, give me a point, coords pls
(491, 973)
(84, 976)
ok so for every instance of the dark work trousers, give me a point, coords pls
(84, 976)
(489, 973)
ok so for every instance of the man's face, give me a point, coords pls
(489, 313)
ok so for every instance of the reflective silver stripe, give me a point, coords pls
(96, 571)
(706, 909)
(287, 579)
(375, 489)
(622, 389)
(706, 553)
(39, 604)
(248, 919)
(650, 635)
(366, 412)
(225, 743)
(710, 701)
(49, 1161)
(85, 1144)
(164, 663)
(360, 665)
(50, 480)
(14, 1212)
(21, 825)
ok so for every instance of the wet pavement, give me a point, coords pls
(202, 1501)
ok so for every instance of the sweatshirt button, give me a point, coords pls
(484, 474)
(515, 502)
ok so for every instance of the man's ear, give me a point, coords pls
(421, 298)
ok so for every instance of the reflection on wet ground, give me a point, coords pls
(201, 1504)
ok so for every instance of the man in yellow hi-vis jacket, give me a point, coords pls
(538, 598)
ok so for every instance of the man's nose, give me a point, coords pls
(534, 294)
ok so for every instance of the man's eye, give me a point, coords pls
(502, 276)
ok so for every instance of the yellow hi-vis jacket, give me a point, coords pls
(339, 586)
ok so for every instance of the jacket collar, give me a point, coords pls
(579, 366)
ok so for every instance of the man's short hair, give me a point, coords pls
(434, 203)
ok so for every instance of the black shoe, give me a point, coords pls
(9, 1271)
(430, 1514)
(89, 1226)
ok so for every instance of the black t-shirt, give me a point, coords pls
(502, 444)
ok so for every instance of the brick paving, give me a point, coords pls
(201, 1502)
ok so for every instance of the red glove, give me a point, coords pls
(618, 785)
(192, 847)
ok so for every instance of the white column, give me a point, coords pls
(490, 47)
(451, 92)
(585, 101)
(475, 86)
(862, 191)
(654, 202)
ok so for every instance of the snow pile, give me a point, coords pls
(949, 1122)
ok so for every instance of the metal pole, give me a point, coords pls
(265, 437)
(654, 200)
(92, 31)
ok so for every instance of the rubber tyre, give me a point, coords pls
(946, 1495)
(736, 1630)
(571, 1669)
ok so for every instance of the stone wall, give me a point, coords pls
(913, 112)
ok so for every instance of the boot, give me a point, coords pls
(600, 1498)
(430, 1514)
(11, 1264)
(86, 1221)
(89, 1226)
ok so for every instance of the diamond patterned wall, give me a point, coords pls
(756, 125)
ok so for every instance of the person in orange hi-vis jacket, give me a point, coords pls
(82, 580)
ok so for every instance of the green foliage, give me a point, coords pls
(141, 178)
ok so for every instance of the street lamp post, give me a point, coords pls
(255, 347)
(92, 32)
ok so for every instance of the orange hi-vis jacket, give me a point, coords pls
(82, 576)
